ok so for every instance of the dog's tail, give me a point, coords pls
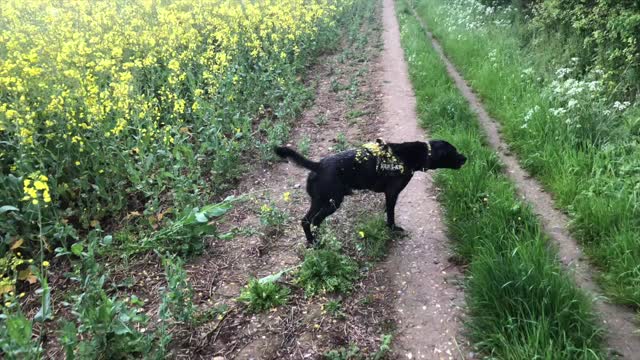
(288, 153)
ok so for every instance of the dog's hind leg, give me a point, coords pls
(316, 207)
(317, 213)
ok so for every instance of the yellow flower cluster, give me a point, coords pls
(35, 186)
(86, 70)
(79, 62)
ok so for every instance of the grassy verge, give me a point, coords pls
(520, 303)
(565, 125)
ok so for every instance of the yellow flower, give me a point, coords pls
(7, 304)
(361, 233)
(45, 263)
(286, 196)
(77, 163)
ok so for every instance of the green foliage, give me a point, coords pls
(185, 129)
(385, 347)
(373, 236)
(334, 308)
(184, 236)
(273, 219)
(608, 33)
(303, 145)
(178, 297)
(354, 353)
(341, 143)
(529, 308)
(351, 353)
(567, 124)
(262, 296)
(68, 338)
(16, 337)
(326, 271)
(106, 324)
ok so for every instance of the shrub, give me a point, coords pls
(608, 33)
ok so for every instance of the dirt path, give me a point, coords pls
(345, 111)
(618, 321)
(429, 297)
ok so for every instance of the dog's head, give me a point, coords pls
(443, 156)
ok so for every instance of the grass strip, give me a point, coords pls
(567, 128)
(520, 302)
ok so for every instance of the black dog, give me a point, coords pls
(379, 166)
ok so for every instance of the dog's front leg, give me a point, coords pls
(391, 199)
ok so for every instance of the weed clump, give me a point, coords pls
(374, 235)
(262, 296)
(327, 271)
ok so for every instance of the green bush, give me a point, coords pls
(608, 34)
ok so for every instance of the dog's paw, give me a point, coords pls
(396, 228)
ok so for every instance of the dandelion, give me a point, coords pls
(286, 196)
(45, 264)
(361, 233)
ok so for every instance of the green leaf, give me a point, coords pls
(107, 240)
(227, 236)
(5, 208)
(45, 311)
(201, 217)
(77, 248)
(218, 211)
(275, 277)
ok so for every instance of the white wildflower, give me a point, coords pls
(620, 106)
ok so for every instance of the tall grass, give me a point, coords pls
(520, 303)
(567, 128)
